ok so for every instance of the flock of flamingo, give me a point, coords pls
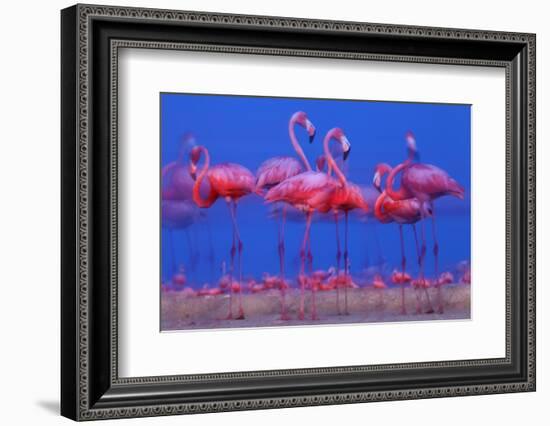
(292, 184)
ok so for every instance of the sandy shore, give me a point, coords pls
(182, 312)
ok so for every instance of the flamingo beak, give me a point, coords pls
(346, 147)
(376, 181)
(311, 130)
(193, 171)
(346, 153)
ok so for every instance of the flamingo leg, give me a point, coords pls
(403, 265)
(436, 245)
(422, 257)
(240, 315)
(302, 276)
(367, 256)
(422, 248)
(284, 315)
(191, 254)
(338, 257)
(172, 251)
(416, 290)
(231, 265)
(310, 272)
(436, 265)
(281, 244)
(346, 264)
(379, 255)
(211, 255)
(430, 306)
(195, 256)
(309, 254)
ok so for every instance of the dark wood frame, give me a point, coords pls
(90, 386)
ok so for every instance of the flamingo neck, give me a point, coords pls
(296, 144)
(379, 212)
(331, 163)
(322, 169)
(197, 197)
(329, 169)
(401, 193)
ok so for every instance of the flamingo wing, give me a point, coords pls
(429, 180)
(177, 183)
(306, 189)
(231, 180)
(178, 214)
(274, 170)
(403, 211)
(355, 197)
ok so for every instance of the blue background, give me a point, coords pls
(249, 130)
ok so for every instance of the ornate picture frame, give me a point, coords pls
(91, 37)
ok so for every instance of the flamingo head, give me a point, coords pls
(411, 146)
(338, 134)
(194, 157)
(427, 207)
(380, 170)
(301, 118)
(188, 140)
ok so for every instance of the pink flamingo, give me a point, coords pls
(400, 277)
(344, 197)
(426, 183)
(179, 279)
(176, 191)
(408, 211)
(378, 282)
(277, 169)
(230, 181)
(318, 279)
(321, 163)
(445, 278)
(307, 192)
(177, 184)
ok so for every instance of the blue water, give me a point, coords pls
(249, 130)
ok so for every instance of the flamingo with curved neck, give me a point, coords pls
(232, 182)
(425, 182)
(301, 119)
(176, 182)
(274, 171)
(343, 198)
(178, 210)
(403, 212)
(403, 192)
(309, 191)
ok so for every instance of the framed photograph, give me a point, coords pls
(263, 212)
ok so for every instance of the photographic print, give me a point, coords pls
(291, 211)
